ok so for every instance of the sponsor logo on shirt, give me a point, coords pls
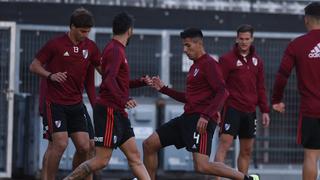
(315, 52)
(195, 72)
(85, 53)
(66, 53)
(98, 139)
(239, 63)
(255, 61)
(57, 123)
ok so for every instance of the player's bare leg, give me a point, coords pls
(129, 148)
(151, 146)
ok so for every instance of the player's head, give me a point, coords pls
(81, 21)
(312, 15)
(122, 24)
(192, 40)
(244, 37)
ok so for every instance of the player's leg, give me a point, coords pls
(166, 135)
(310, 164)
(129, 148)
(57, 133)
(202, 165)
(59, 144)
(151, 147)
(98, 162)
(44, 170)
(229, 129)
(309, 133)
(246, 146)
(247, 134)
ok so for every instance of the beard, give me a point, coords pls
(128, 41)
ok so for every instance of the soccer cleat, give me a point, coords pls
(254, 177)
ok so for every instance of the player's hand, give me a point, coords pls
(59, 77)
(265, 120)
(280, 107)
(202, 125)
(146, 79)
(131, 104)
(157, 83)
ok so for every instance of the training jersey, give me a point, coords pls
(244, 76)
(205, 89)
(304, 54)
(114, 88)
(61, 55)
(89, 87)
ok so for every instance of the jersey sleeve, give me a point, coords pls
(215, 79)
(286, 66)
(46, 53)
(114, 60)
(89, 85)
(179, 96)
(96, 55)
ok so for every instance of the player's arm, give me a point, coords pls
(158, 84)
(43, 57)
(140, 82)
(225, 67)
(215, 79)
(89, 85)
(262, 97)
(110, 73)
(286, 66)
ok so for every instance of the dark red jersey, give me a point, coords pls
(205, 89)
(61, 55)
(304, 54)
(114, 89)
(89, 86)
(244, 78)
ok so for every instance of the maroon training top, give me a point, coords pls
(244, 78)
(114, 89)
(304, 54)
(61, 55)
(205, 90)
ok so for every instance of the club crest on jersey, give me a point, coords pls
(85, 53)
(195, 72)
(57, 123)
(255, 61)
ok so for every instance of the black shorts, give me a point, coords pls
(112, 129)
(237, 123)
(182, 132)
(90, 126)
(309, 132)
(64, 118)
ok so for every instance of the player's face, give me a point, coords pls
(192, 47)
(244, 40)
(81, 33)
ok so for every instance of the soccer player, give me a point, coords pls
(204, 97)
(243, 72)
(303, 53)
(112, 126)
(64, 62)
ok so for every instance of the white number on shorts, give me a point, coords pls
(196, 136)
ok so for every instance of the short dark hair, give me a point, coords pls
(245, 28)
(312, 9)
(121, 23)
(81, 18)
(191, 33)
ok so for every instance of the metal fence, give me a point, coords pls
(159, 52)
